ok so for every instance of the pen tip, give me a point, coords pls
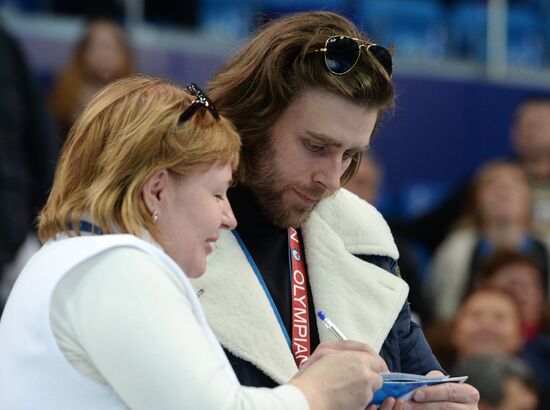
(321, 315)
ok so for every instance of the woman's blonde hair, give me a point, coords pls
(129, 131)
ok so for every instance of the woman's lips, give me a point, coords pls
(209, 242)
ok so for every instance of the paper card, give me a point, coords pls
(403, 385)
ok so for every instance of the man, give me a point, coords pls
(531, 137)
(531, 142)
(306, 94)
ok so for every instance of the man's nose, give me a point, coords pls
(329, 172)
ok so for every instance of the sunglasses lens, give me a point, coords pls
(341, 55)
(383, 56)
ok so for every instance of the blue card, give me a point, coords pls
(402, 385)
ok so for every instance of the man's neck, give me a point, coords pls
(248, 212)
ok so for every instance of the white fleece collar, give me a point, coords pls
(360, 226)
(361, 298)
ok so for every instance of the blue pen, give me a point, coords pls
(331, 326)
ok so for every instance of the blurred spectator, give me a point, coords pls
(531, 141)
(366, 184)
(489, 322)
(503, 382)
(28, 152)
(102, 55)
(522, 277)
(498, 217)
(368, 179)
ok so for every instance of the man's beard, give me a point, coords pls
(268, 185)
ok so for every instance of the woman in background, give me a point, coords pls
(103, 316)
(102, 55)
(498, 218)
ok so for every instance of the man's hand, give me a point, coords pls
(340, 375)
(445, 396)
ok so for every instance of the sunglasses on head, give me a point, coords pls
(342, 54)
(201, 101)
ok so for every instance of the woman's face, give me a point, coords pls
(105, 55)
(524, 282)
(503, 195)
(191, 210)
(488, 322)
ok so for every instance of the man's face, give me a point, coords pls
(531, 138)
(311, 146)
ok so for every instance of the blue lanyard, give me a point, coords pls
(264, 286)
(86, 227)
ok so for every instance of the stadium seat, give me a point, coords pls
(273, 7)
(416, 27)
(227, 18)
(525, 44)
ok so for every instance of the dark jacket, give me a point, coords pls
(404, 350)
(352, 292)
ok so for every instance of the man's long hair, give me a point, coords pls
(277, 64)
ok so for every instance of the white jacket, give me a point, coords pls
(35, 373)
(361, 298)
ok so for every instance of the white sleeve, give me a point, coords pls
(132, 320)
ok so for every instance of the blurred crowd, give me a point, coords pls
(33, 127)
(483, 295)
(478, 270)
(422, 30)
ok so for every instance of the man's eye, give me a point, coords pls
(314, 147)
(348, 155)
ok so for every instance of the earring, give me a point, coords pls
(155, 216)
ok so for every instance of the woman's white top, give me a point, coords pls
(111, 322)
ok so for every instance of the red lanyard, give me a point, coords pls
(300, 307)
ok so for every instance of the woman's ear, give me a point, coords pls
(154, 189)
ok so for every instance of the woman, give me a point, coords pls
(499, 218)
(488, 322)
(522, 277)
(103, 315)
(102, 55)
